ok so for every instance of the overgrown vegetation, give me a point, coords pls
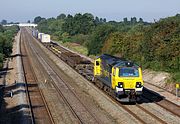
(6, 42)
(152, 45)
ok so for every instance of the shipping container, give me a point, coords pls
(45, 38)
(35, 33)
(39, 35)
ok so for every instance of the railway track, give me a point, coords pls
(164, 103)
(80, 111)
(35, 97)
(138, 112)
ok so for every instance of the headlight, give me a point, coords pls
(120, 84)
(138, 85)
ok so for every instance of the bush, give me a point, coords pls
(1, 60)
(6, 42)
(80, 39)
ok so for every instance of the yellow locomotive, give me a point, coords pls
(122, 77)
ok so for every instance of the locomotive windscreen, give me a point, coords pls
(128, 72)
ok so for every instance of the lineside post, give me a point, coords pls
(177, 90)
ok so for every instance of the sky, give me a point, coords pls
(149, 10)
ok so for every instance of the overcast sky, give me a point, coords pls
(23, 10)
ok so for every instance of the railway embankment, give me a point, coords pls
(158, 82)
(159, 79)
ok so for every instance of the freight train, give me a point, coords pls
(122, 77)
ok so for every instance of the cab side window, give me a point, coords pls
(97, 63)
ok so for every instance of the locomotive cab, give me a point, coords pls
(127, 83)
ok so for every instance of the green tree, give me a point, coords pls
(4, 22)
(141, 20)
(133, 20)
(6, 39)
(68, 25)
(38, 19)
(98, 38)
(1, 28)
(43, 26)
(97, 21)
(125, 20)
(79, 24)
(61, 16)
(1, 60)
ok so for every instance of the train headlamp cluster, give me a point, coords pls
(120, 84)
(129, 64)
(138, 85)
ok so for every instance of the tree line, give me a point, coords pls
(6, 42)
(152, 45)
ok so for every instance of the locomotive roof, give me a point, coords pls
(117, 61)
(107, 56)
